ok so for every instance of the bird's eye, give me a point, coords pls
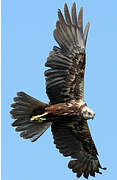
(89, 113)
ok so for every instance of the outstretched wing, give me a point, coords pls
(65, 78)
(74, 139)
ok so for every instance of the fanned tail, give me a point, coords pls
(24, 107)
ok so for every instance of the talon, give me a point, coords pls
(40, 120)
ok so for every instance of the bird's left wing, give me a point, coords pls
(74, 139)
(65, 78)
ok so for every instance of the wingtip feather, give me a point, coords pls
(74, 15)
(67, 15)
(80, 19)
(86, 32)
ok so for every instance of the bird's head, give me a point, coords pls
(87, 113)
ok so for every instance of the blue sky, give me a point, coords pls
(27, 38)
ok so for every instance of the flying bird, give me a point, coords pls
(67, 112)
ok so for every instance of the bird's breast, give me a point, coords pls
(68, 108)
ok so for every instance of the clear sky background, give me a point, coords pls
(27, 38)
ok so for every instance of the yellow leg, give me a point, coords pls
(39, 117)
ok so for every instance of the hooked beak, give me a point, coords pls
(93, 116)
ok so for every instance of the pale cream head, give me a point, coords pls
(87, 113)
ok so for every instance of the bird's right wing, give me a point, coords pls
(74, 139)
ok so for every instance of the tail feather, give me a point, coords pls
(24, 107)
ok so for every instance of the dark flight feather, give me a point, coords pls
(86, 32)
(74, 15)
(67, 15)
(80, 20)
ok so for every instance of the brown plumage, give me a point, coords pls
(67, 113)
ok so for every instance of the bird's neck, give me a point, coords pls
(80, 105)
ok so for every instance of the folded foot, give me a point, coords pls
(39, 118)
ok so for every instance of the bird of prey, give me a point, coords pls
(67, 112)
